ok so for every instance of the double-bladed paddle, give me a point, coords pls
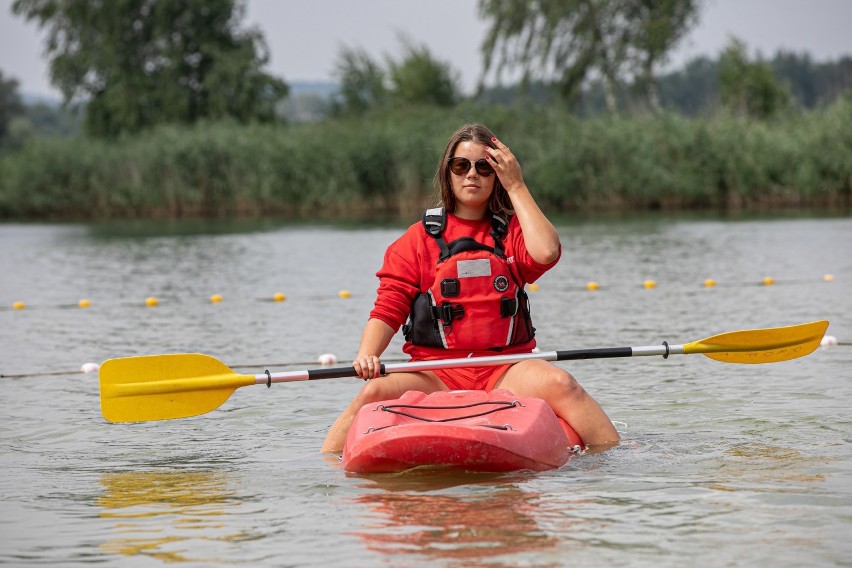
(162, 387)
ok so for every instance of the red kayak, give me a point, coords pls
(469, 430)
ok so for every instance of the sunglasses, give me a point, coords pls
(460, 166)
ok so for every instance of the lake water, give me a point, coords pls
(720, 464)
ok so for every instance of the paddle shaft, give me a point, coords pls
(489, 361)
(179, 385)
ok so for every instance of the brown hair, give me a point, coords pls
(499, 203)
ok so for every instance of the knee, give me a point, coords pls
(373, 391)
(564, 383)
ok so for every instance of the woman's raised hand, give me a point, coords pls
(505, 165)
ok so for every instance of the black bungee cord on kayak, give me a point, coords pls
(500, 405)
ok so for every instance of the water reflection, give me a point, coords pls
(747, 465)
(423, 517)
(173, 516)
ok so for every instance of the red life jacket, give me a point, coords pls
(475, 302)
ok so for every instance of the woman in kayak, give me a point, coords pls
(457, 277)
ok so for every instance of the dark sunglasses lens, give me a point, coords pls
(483, 168)
(459, 166)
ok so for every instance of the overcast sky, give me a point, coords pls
(305, 36)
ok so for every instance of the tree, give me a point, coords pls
(659, 27)
(136, 63)
(833, 80)
(749, 88)
(798, 71)
(10, 104)
(564, 39)
(416, 78)
(693, 89)
(575, 40)
(421, 79)
(362, 81)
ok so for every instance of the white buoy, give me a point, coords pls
(327, 359)
(89, 368)
(828, 341)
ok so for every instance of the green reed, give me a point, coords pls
(384, 164)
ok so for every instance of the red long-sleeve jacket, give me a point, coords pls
(409, 269)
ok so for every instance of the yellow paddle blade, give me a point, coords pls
(162, 387)
(761, 345)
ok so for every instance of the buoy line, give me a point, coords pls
(84, 369)
(325, 359)
(279, 297)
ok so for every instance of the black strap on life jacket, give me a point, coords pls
(435, 221)
(499, 228)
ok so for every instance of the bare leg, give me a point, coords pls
(382, 388)
(541, 379)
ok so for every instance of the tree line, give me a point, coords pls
(787, 82)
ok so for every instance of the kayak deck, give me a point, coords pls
(470, 430)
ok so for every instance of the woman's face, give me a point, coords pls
(472, 190)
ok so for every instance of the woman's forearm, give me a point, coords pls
(375, 339)
(540, 235)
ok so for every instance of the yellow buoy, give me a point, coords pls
(828, 277)
(709, 283)
(533, 287)
(215, 298)
(84, 303)
(18, 306)
(345, 294)
(279, 297)
(768, 281)
(151, 301)
(592, 286)
(649, 284)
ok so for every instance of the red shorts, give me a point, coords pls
(472, 378)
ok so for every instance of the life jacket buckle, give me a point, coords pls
(447, 312)
(508, 307)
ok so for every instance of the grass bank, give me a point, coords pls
(385, 163)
